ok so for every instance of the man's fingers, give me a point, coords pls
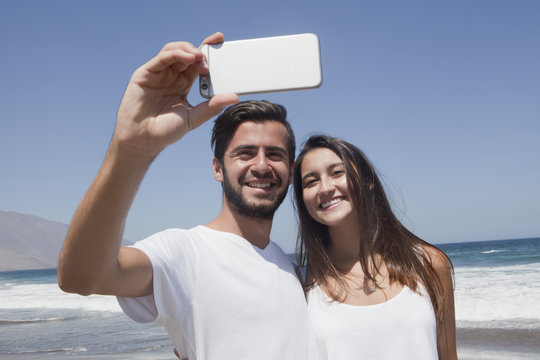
(181, 55)
(215, 38)
(199, 67)
(204, 111)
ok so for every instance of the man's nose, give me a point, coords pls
(260, 165)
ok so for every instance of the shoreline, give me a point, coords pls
(146, 355)
(473, 344)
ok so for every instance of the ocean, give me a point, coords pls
(497, 297)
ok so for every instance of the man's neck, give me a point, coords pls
(254, 230)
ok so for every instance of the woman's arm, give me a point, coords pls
(446, 325)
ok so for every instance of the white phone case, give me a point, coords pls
(262, 65)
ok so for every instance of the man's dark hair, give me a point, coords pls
(253, 110)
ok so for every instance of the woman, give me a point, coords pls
(375, 290)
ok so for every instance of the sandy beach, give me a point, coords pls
(508, 344)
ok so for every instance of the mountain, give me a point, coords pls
(29, 242)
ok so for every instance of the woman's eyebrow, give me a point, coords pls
(335, 165)
(309, 174)
(330, 167)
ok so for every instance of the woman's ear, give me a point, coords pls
(218, 171)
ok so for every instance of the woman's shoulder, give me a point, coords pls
(438, 259)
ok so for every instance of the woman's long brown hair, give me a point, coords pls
(383, 236)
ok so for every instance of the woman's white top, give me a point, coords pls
(404, 327)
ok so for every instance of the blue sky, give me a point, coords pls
(443, 97)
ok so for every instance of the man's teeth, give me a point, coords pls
(331, 202)
(260, 185)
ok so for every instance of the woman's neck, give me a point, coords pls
(344, 246)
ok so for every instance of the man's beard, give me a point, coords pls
(241, 207)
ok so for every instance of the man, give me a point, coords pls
(223, 290)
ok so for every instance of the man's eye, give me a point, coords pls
(244, 154)
(275, 155)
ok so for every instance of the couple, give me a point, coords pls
(224, 290)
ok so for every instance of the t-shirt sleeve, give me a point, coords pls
(174, 262)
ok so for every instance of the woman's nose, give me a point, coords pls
(327, 186)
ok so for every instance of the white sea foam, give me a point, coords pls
(500, 293)
(50, 351)
(32, 320)
(49, 296)
(493, 251)
(482, 294)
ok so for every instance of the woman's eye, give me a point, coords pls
(309, 183)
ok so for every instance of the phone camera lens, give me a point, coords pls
(204, 87)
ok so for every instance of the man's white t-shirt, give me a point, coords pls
(220, 297)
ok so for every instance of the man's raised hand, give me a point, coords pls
(155, 112)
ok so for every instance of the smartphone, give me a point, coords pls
(252, 66)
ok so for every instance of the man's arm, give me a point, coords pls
(153, 114)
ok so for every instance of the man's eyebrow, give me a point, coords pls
(240, 148)
(277, 148)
